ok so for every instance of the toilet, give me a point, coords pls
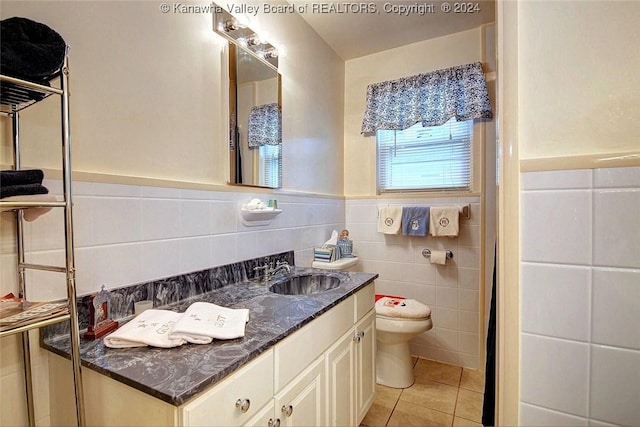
(398, 321)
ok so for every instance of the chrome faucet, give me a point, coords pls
(270, 271)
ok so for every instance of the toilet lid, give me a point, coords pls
(403, 308)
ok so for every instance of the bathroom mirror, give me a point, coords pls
(255, 120)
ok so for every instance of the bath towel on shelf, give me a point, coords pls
(415, 220)
(203, 321)
(150, 328)
(404, 308)
(9, 178)
(22, 190)
(389, 219)
(444, 221)
(30, 50)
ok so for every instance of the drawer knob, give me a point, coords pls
(287, 410)
(361, 334)
(243, 404)
(275, 423)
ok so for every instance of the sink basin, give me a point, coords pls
(305, 285)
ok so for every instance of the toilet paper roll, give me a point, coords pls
(438, 257)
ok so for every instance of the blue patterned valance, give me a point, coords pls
(265, 126)
(431, 98)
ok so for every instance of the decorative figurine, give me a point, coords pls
(100, 322)
(346, 245)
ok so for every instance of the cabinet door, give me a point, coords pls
(341, 382)
(265, 417)
(302, 402)
(365, 355)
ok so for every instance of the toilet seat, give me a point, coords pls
(401, 308)
(404, 319)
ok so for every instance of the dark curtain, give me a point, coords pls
(489, 404)
(238, 157)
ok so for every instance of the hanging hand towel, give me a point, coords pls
(415, 220)
(203, 321)
(149, 328)
(443, 221)
(389, 219)
(402, 308)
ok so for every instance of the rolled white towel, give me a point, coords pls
(151, 327)
(203, 321)
(402, 308)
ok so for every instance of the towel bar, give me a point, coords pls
(427, 253)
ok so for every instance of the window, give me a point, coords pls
(426, 158)
(270, 165)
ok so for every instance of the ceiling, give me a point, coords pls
(380, 25)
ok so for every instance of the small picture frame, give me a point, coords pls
(100, 322)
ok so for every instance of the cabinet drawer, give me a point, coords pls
(365, 301)
(217, 407)
(299, 350)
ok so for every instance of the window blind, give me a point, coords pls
(270, 165)
(426, 158)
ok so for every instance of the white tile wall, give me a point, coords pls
(129, 234)
(580, 297)
(451, 291)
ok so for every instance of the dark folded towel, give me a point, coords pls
(22, 190)
(30, 50)
(20, 177)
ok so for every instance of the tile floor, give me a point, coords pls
(443, 395)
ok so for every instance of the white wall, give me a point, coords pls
(150, 140)
(578, 143)
(578, 78)
(430, 55)
(149, 95)
(454, 292)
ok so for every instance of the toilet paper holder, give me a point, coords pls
(427, 253)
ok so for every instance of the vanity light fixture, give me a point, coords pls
(229, 25)
(235, 30)
(270, 53)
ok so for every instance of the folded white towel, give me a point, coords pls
(204, 321)
(402, 308)
(149, 328)
(444, 221)
(389, 219)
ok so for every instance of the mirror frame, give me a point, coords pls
(239, 35)
(233, 111)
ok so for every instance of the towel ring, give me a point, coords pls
(427, 253)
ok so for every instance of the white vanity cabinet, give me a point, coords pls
(321, 375)
(301, 403)
(350, 367)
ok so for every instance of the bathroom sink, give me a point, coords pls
(305, 284)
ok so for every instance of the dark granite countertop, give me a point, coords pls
(176, 375)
